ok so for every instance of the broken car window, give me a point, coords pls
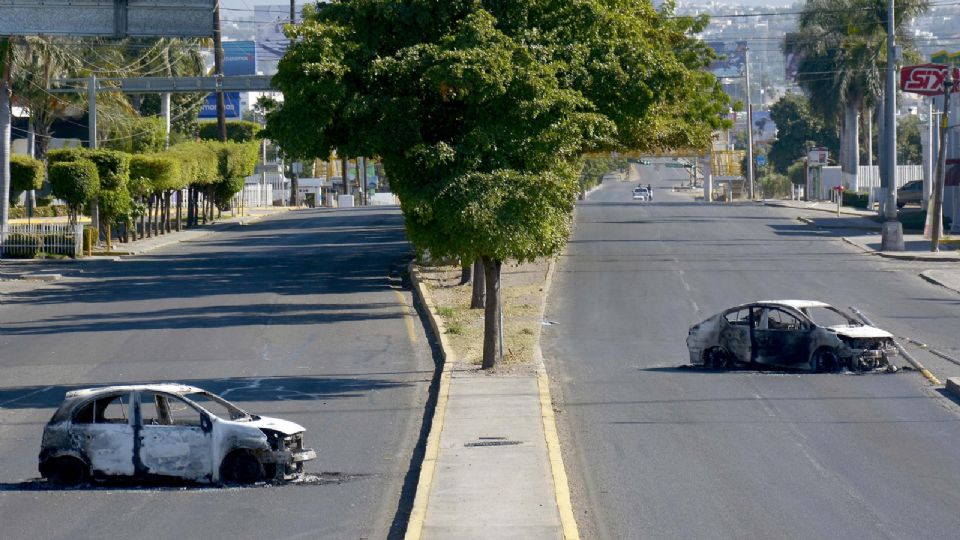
(181, 413)
(781, 320)
(739, 318)
(106, 410)
(153, 410)
(218, 406)
(830, 316)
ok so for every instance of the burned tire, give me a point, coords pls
(241, 468)
(67, 471)
(717, 358)
(825, 361)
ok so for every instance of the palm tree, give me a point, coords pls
(842, 46)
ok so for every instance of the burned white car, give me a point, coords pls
(799, 334)
(166, 431)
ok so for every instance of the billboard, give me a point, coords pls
(764, 130)
(927, 79)
(231, 104)
(732, 57)
(239, 58)
(271, 43)
(106, 18)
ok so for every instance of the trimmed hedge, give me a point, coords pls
(238, 131)
(161, 172)
(26, 173)
(76, 182)
(113, 166)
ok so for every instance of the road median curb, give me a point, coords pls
(418, 513)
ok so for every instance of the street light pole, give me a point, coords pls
(746, 65)
(891, 238)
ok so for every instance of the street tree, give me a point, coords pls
(798, 129)
(842, 49)
(481, 110)
(76, 182)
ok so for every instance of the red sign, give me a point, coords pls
(927, 79)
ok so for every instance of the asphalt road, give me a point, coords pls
(300, 316)
(658, 451)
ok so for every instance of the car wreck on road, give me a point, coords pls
(799, 334)
(166, 431)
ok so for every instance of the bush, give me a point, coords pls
(856, 199)
(797, 173)
(76, 182)
(140, 135)
(21, 246)
(160, 171)
(775, 185)
(26, 173)
(240, 131)
(113, 167)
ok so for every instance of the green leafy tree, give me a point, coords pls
(798, 129)
(76, 182)
(26, 173)
(481, 110)
(842, 46)
(239, 131)
(909, 147)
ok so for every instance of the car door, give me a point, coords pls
(780, 338)
(104, 429)
(175, 437)
(735, 336)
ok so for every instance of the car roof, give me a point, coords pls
(796, 304)
(170, 388)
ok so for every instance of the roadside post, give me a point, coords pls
(936, 222)
(839, 190)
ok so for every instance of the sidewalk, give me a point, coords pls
(492, 466)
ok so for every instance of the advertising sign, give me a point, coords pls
(231, 105)
(817, 157)
(732, 58)
(927, 79)
(239, 58)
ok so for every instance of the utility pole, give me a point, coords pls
(746, 65)
(891, 238)
(92, 144)
(218, 68)
(294, 174)
(936, 224)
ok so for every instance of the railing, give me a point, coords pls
(30, 241)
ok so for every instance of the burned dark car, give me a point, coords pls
(799, 334)
(166, 431)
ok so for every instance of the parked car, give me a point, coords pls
(910, 193)
(641, 194)
(166, 430)
(801, 334)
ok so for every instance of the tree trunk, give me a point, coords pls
(491, 313)
(109, 236)
(166, 210)
(466, 272)
(478, 299)
(850, 145)
(180, 210)
(5, 120)
(147, 229)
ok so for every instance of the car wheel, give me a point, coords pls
(825, 361)
(68, 471)
(241, 468)
(717, 358)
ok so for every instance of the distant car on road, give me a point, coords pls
(641, 194)
(166, 431)
(800, 334)
(910, 193)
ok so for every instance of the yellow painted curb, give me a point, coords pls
(418, 513)
(926, 373)
(560, 485)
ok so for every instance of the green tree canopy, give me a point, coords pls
(76, 182)
(481, 109)
(797, 130)
(26, 173)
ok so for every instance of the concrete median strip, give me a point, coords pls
(492, 466)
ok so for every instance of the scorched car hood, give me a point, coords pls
(860, 331)
(276, 424)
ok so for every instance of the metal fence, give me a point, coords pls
(23, 241)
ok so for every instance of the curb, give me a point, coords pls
(561, 486)
(953, 387)
(418, 513)
(935, 281)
